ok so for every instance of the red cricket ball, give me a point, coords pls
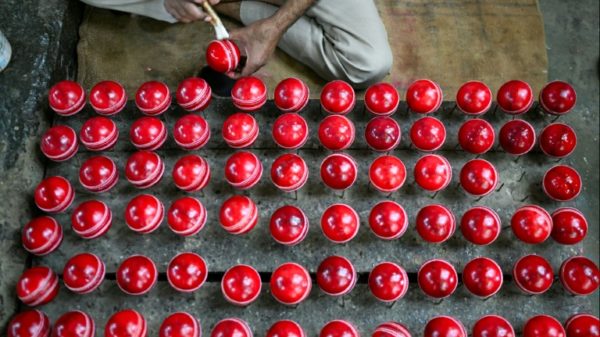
(437, 278)
(91, 219)
(59, 143)
(517, 137)
(340, 223)
(291, 95)
(290, 283)
(240, 130)
(193, 94)
(238, 215)
(108, 98)
(579, 275)
(289, 172)
(569, 226)
(223, 56)
(99, 133)
(288, 225)
(191, 173)
(433, 172)
(191, 132)
(336, 276)
(126, 323)
(480, 225)
(339, 328)
(98, 174)
(435, 223)
(231, 327)
(558, 140)
(66, 98)
(37, 286)
(338, 97)
(241, 285)
(180, 324)
(562, 183)
(153, 98)
(243, 170)
(543, 325)
(483, 277)
(290, 131)
(533, 274)
(144, 213)
(388, 282)
(187, 272)
(382, 133)
(478, 177)
(583, 325)
(387, 173)
(74, 324)
(474, 98)
(42, 235)
(428, 134)
(148, 133)
(54, 194)
(388, 220)
(476, 136)
(424, 96)
(336, 132)
(249, 94)
(186, 216)
(338, 171)
(493, 326)
(391, 329)
(515, 97)
(144, 169)
(29, 323)
(83, 273)
(136, 275)
(531, 224)
(382, 99)
(285, 328)
(558, 98)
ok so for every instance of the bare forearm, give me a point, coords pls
(289, 12)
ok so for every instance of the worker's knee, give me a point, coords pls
(370, 66)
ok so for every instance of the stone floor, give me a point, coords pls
(43, 53)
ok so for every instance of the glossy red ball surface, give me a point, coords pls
(29, 323)
(148, 133)
(478, 177)
(435, 223)
(558, 98)
(53, 194)
(424, 96)
(517, 137)
(474, 98)
(191, 132)
(558, 140)
(98, 174)
(180, 324)
(187, 272)
(543, 326)
(91, 219)
(144, 169)
(37, 286)
(382, 133)
(186, 216)
(238, 215)
(191, 173)
(428, 134)
(515, 97)
(391, 329)
(136, 275)
(340, 223)
(241, 285)
(480, 225)
(336, 132)
(231, 327)
(66, 98)
(339, 328)
(74, 324)
(476, 136)
(249, 94)
(99, 133)
(83, 273)
(153, 98)
(583, 325)
(531, 224)
(144, 213)
(240, 130)
(291, 95)
(126, 323)
(288, 225)
(437, 278)
(336, 276)
(388, 220)
(382, 99)
(193, 94)
(433, 172)
(579, 275)
(289, 172)
(493, 326)
(290, 283)
(562, 183)
(533, 274)
(338, 97)
(59, 143)
(387, 173)
(42, 235)
(285, 328)
(243, 170)
(290, 131)
(108, 97)
(569, 226)
(223, 55)
(339, 171)
(482, 276)
(388, 282)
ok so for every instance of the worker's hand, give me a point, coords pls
(188, 10)
(260, 40)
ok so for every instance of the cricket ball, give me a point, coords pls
(478, 177)
(91, 219)
(533, 274)
(144, 213)
(583, 325)
(531, 224)
(290, 283)
(433, 172)
(290, 131)
(249, 94)
(387, 173)
(136, 275)
(231, 327)
(480, 225)
(558, 98)
(59, 143)
(339, 171)
(153, 98)
(382, 134)
(474, 98)
(83, 273)
(240, 130)
(144, 169)
(515, 97)
(29, 323)
(435, 223)
(98, 174)
(558, 140)
(382, 99)
(74, 324)
(241, 285)
(483, 277)
(428, 134)
(338, 98)
(388, 220)
(339, 328)
(99, 133)
(37, 286)
(391, 329)
(340, 223)
(476, 136)
(289, 172)
(388, 282)
(288, 225)
(286, 328)
(437, 278)
(191, 173)
(126, 323)
(291, 95)
(54, 194)
(238, 215)
(108, 98)
(42, 235)
(562, 183)
(569, 226)
(543, 325)
(191, 132)
(579, 275)
(336, 132)
(180, 324)
(424, 96)
(223, 56)
(66, 98)
(186, 216)
(493, 326)
(336, 276)
(187, 272)
(193, 94)
(243, 170)
(517, 137)
(148, 133)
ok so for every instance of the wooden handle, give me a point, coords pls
(211, 12)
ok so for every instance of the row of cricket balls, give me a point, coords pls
(291, 283)
(130, 323)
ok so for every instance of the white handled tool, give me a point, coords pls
(220, 29)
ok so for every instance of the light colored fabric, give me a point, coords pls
(337, 39)
(151, 8)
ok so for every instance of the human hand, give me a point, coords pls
(188, 10)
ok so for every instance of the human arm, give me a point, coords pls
(188, 10)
